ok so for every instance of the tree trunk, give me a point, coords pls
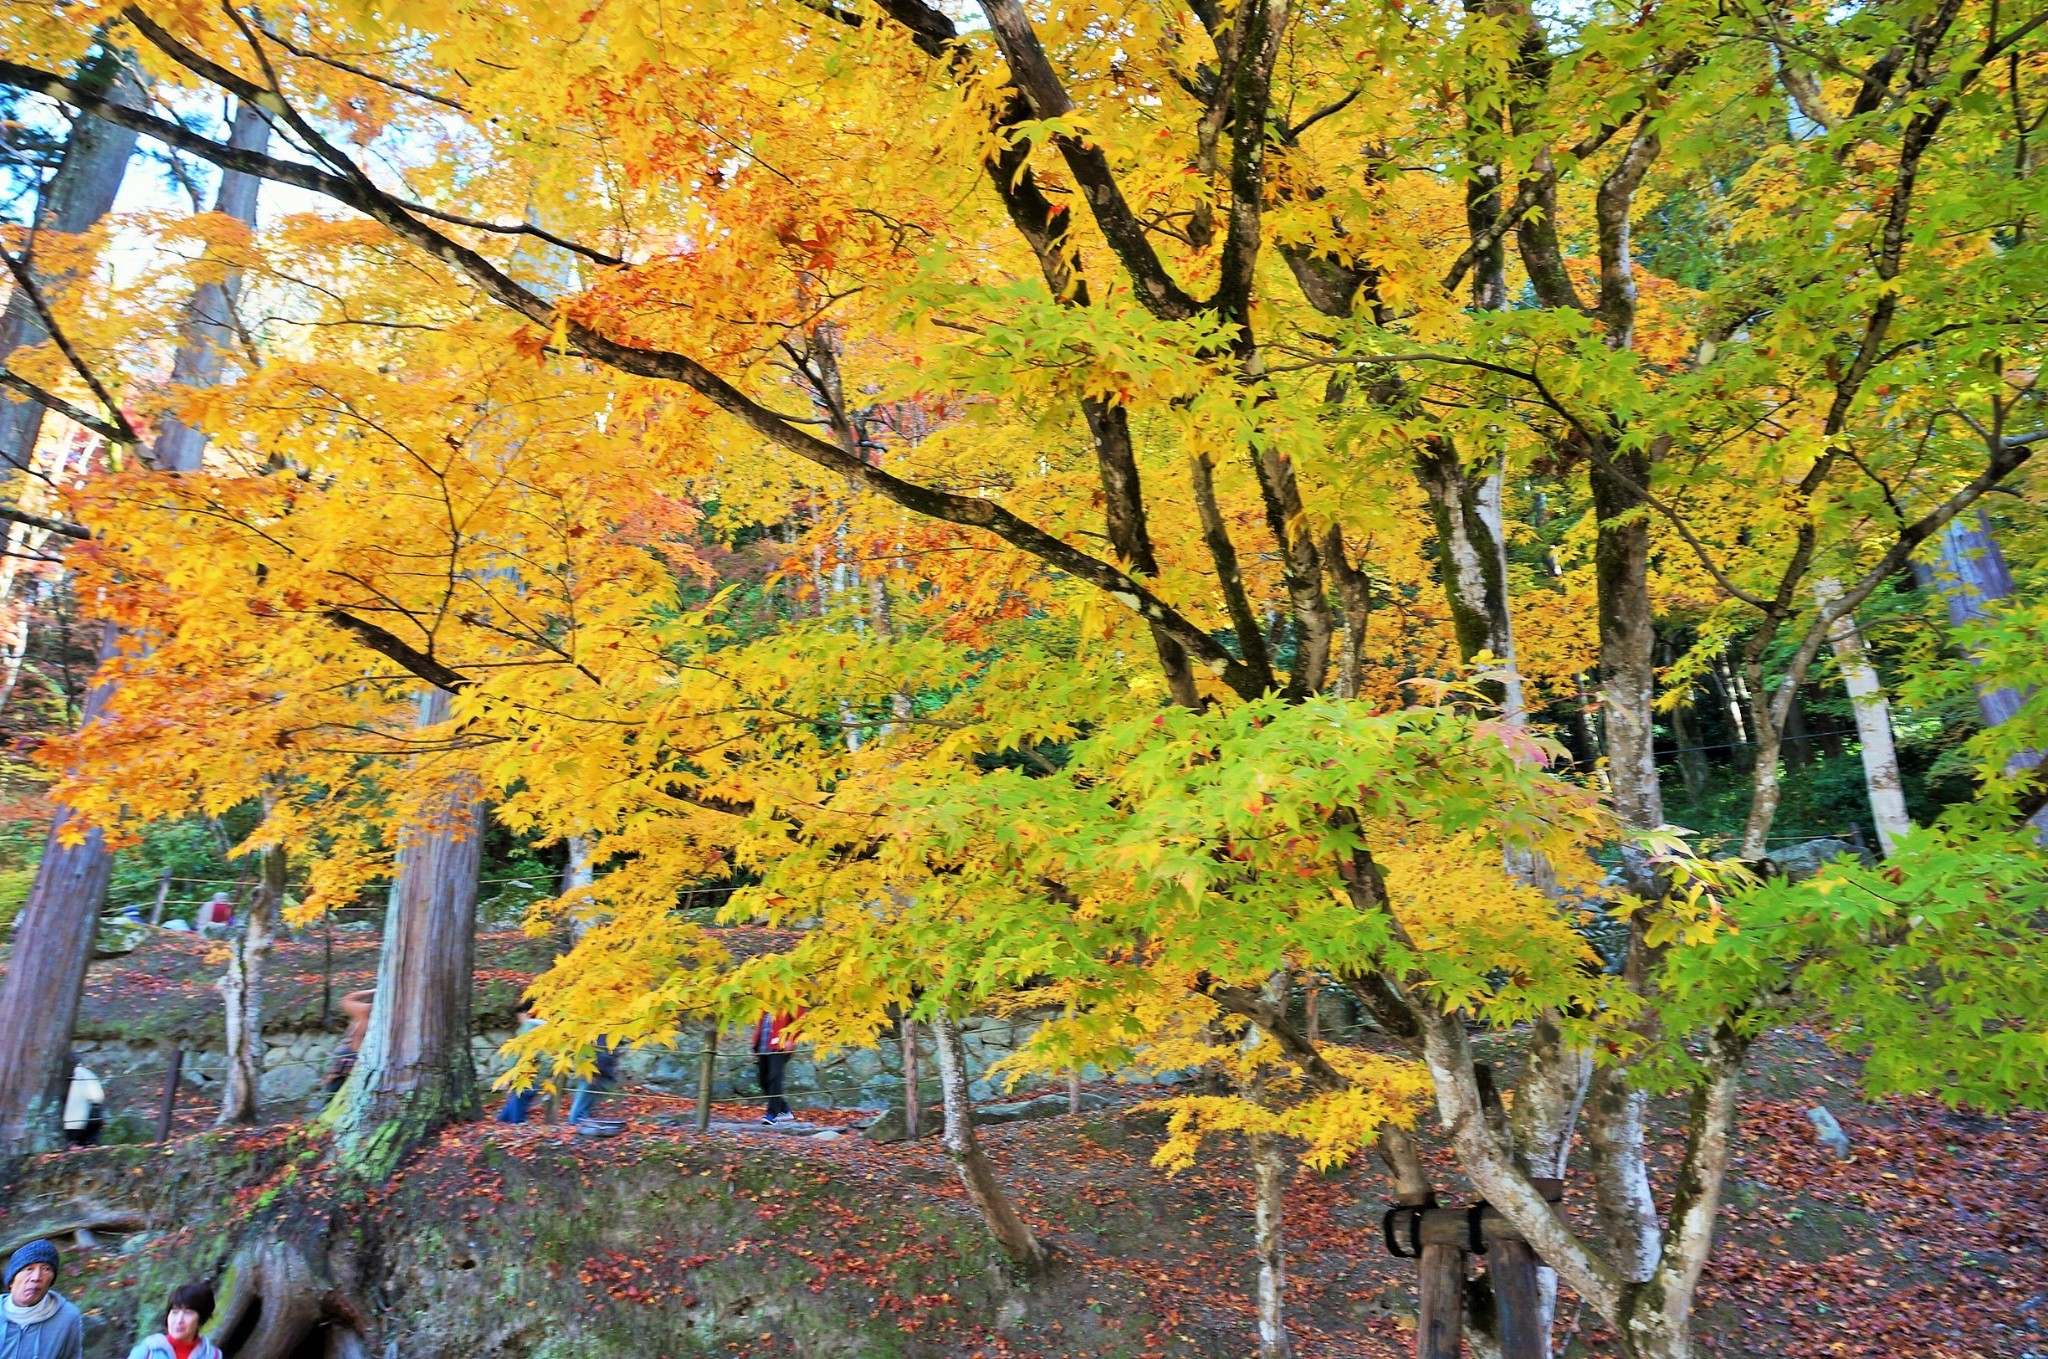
(1971, 574)
(1873, 724)
(53, 940)
(78, 195)
(1548, 1099)
(414, 1073)
(1690, 755)
(1622, 1198)
(977, 1176)
(242, 989)
(1628, 675)
(1269, 1173)
(209, 328)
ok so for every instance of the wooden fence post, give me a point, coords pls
(907, 1038)
(707, 1071)
(170, 1104)
(1518, 1304)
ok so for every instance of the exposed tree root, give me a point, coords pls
(288, 1299)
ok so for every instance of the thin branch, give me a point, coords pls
(76, 414)
(120, 431)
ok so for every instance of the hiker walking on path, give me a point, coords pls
(190, 1307)
(607, 1078)
(773, 1043)
(356, 1005)
(36, 1322)
(520, 1102)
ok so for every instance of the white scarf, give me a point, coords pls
(29, 1316)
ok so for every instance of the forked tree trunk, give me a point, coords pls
(242, 990)
(977, 1176)
(53, 938)
(1881, 781)
(414, 1073)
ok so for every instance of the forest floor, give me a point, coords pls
(530, 1242)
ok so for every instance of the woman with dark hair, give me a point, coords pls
(190, 1307)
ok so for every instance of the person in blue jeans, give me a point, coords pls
(607, 1078)
(520, 1102)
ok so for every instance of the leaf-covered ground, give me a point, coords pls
(663, 1242)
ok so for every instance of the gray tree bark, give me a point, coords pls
(1881, 780)
(241, 987)
(977, 1176)
(79, 194)
(414, 1074)
(53, 940)
(1971, 574)
(208, 332)
(71, 882)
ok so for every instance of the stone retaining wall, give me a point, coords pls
(295, 1062)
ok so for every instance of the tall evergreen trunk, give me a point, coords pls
(1873, 714)
(36, 1017)
(1971, 574)
(208, 332)
(79, 194)
(53, 937)
(977, 1176)
(53, 940)
(241, 987)
(414, 1073)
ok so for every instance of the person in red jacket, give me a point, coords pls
(772, 1045)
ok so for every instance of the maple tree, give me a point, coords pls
(1149, 396)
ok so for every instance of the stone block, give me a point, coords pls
(890, 1126)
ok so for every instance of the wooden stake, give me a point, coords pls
(1440, 1285)
(707, 1071)
(1518, 1304)
(170, 1104)
(906, 1038)
(163, 890)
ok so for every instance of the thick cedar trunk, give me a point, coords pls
(1971, 574)
(242, 989)
(53, 940)
(414, 1072)
(1881, 780)
(78, 195)
(208, 332)
(977, 1176)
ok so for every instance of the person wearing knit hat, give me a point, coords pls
(36, 1322)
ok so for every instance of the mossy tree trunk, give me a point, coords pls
(414, 1073)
